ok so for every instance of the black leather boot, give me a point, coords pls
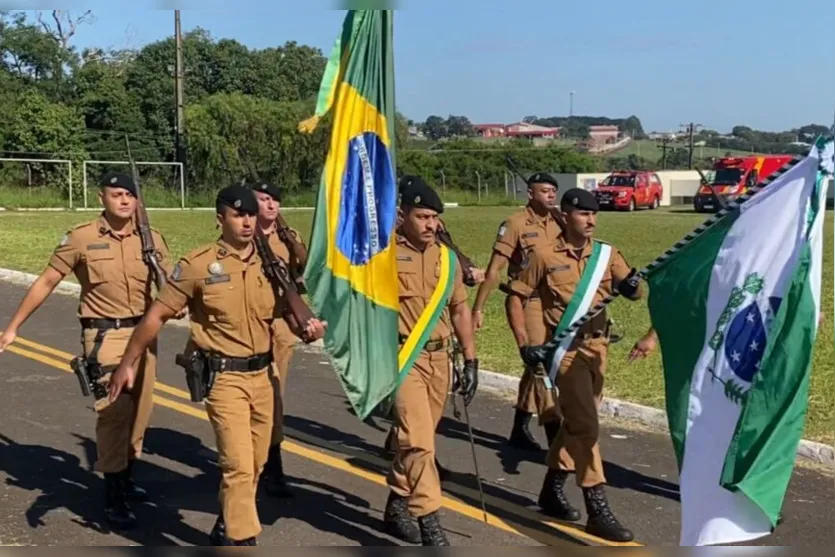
(552, 499)
(431, 532)
(275, 484)
(602, 522)
(521, 436)
(133, 491)
(552, 429)
(398, 522)
(218, 536)
(116, 510)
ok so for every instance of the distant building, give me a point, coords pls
(519, 129)
(604, 134)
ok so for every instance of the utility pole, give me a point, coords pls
(691, 130)
(664, 142)
(178, 89)
(571, 105)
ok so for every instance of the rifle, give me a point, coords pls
(467, 265)
(149, 250)
(279, 276)
(296, 250)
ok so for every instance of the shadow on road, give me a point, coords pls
(624, 478)
(324, 507)
(61, 481)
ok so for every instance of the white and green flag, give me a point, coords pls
(736, 311)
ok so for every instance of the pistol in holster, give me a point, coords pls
(89, 374)
(199, 377)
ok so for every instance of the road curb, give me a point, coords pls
(499, 383)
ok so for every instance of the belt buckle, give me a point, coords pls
(118, 323)
(222, 366)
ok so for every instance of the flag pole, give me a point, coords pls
(661, 259)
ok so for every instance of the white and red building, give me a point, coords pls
(519, 129)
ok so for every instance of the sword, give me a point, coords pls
(456, 369)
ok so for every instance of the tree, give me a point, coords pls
(459, 126)
(435, 128)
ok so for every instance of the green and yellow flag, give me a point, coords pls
(351, 273)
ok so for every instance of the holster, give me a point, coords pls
(89, 373)
(199, 377)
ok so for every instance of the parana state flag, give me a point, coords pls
(736, 311)
(351, 273)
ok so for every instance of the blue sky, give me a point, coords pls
(717, 63)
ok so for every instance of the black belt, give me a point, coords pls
(104, 324)
(431, 345)
(221, 363)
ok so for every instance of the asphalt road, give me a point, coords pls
(49, 494)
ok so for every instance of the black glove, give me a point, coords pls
(628, 287)
(533, 355)
(469, 380)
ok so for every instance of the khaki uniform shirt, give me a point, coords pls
(555, 273)
(115, 282)
(520, 234)
(418, 273)
(230, 301)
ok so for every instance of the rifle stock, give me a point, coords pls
(149, 250)
(467, 265)
(279, 276)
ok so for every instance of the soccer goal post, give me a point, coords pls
(177, 165)
(50, 161)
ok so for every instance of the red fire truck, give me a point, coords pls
(732, 176)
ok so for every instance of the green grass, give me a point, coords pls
(28, 239)
(649, 149)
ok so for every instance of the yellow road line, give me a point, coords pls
(340, 464)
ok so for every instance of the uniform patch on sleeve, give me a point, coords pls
(502, 231)
(64, 240)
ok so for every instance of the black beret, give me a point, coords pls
(239, 198)
(269, 189)
(578, 198)
(543, 178)
(414, 192)
(119, 180)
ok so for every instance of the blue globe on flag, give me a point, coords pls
(746, 339)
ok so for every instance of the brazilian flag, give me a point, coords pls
(351, 273)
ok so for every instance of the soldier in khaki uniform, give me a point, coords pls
(555, 274)
(420, 399)
(289, 246)
(533, 227)
(232, 307)
(106, 257)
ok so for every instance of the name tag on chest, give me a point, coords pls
(98, 246)
(218, 279)
(558, 268)
(527, 235)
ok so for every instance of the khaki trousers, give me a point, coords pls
(283, 342)
(121, 426)
(534, 397)
(580, 380)
(418, 408)
(240, 408)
